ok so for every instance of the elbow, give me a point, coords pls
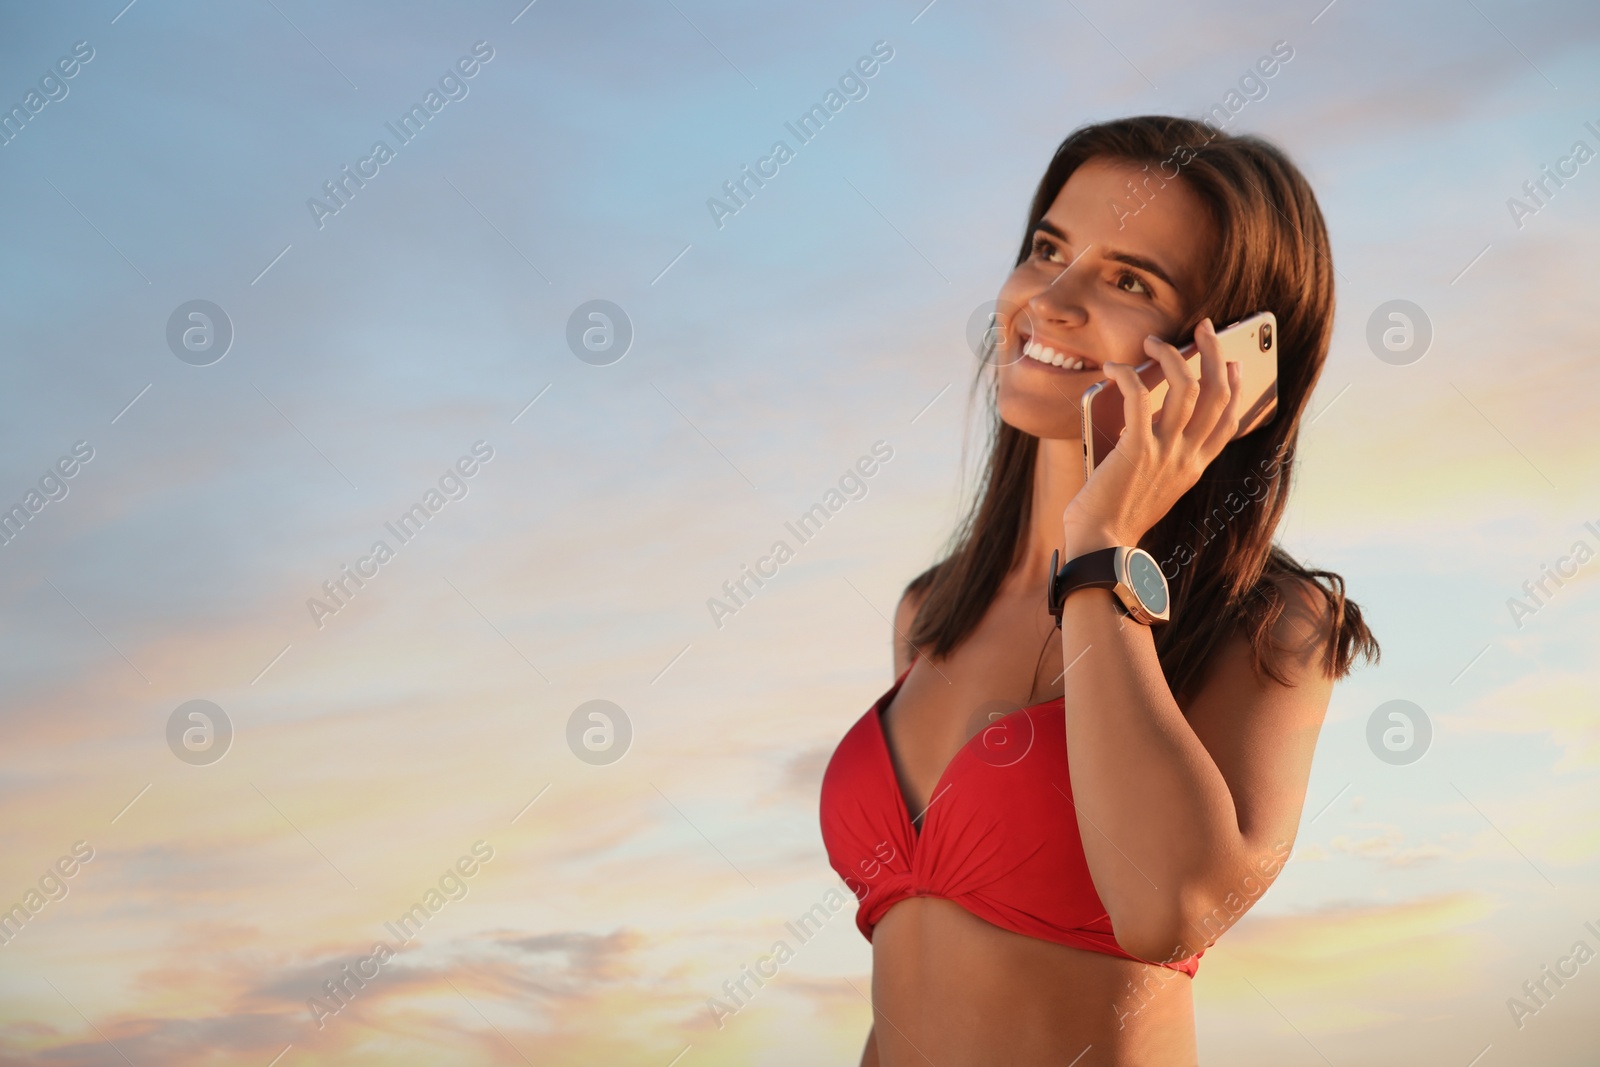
(1175, 924)
(1174, 931)
(1192, 912)
(1153, 941)
(1152, 931)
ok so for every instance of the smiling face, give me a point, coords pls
(1102, 273)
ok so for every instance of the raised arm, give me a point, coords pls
(1185, 820)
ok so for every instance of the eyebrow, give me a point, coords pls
(1129, 258)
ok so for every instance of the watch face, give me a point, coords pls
(1144, 574)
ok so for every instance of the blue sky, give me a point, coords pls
(769, 354)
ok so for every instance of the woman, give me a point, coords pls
(1092, 808)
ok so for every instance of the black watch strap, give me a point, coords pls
(1091, 570)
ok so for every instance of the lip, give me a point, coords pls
(1089, 365)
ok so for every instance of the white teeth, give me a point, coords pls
(1046, 354)
(1042, 353)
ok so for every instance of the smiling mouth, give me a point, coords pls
(1045, 354)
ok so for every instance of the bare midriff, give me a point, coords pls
(951, 989)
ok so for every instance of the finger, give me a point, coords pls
(1183, 388)
(1227, 423)
(1215, 389)
(1135, 401)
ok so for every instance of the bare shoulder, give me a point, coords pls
(904, 615)
(1305, 630)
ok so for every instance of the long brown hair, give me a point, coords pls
(1215, 545)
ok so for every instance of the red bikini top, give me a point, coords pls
(999, 835)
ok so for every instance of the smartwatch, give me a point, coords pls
(1138, 587)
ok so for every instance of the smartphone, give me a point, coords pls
(1251, 342)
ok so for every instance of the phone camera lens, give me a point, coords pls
(1266, 336)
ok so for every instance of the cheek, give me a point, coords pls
(1124, 326)
(1012, 299)
(1123, 337)
(1017, 288)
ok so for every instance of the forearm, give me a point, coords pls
(1158, 822)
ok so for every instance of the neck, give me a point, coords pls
(1057, 477)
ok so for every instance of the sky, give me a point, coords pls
(420, 738)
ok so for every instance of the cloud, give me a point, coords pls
(616, 506)
(1325, 966)
(572, 963)
(1388, 848)
(1558, 705)
(170, 1041)
(551, 978)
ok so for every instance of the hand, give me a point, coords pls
(1160, 456)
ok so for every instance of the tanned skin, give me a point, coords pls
(1178, 807)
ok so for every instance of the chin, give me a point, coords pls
(1040, 416)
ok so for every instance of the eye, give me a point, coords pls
(1127, 276)
(1044, 248)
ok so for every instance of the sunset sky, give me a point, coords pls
(424, 728)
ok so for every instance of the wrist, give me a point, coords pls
(1128, 573)
(1079, 539)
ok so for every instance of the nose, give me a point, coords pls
(1060, 302)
